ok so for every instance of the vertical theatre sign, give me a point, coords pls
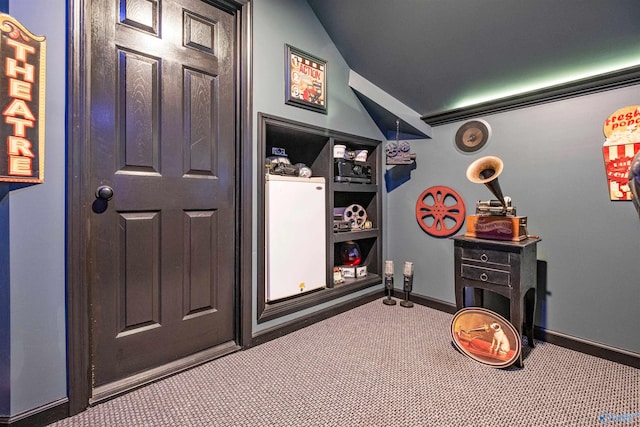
(22, 100)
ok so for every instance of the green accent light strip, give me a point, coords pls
(538, 94)
(544, 84)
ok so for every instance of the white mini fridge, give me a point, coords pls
(295, 237)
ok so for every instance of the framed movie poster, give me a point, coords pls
(621, 145)
(305, 80)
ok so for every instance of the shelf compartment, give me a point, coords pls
(369, 249)
(301, 146)
(369, 201)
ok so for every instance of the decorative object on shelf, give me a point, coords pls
(398, 151)
(622, 143)
(279, 164)
(472, 136)
(278, 151)
(338, 151)
(342, 152)
(303, 170)
(388, 283)
(440, 211)
(360, 155)
(361, 271)
(350, 253)
(282, 166)
(340, 226)
(351, 257)
(486, 337)
(353, 271)
(407, 284)
(338, 276)
(348, 169)
(356, 215)
(305, 80)
(494, 219)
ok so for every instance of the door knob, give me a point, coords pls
(104, 192)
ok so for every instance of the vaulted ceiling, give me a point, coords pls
(440, 55)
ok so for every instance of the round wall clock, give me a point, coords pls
(473, 135)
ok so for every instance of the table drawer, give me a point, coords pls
(485, 255)
(499, 277)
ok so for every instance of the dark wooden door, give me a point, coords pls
(162, 137)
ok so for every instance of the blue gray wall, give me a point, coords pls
(32, 267)
(5, 307)
(554, 172)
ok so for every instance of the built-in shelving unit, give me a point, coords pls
(313, 146)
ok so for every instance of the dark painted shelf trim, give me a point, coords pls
(355, 235)
(348, 187)
(292, 305)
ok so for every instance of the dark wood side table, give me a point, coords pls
(504, 267)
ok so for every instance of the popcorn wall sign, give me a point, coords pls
(22, 101)
(622, 132)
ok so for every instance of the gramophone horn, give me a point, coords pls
(485, 171)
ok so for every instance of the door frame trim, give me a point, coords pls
(79, 386)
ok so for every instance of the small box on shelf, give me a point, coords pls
(353, 271)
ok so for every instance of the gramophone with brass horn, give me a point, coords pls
(494, 219)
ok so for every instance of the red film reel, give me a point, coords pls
(440, 211)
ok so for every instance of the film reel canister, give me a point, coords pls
(356, 215)
(440, 211)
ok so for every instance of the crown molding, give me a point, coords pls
(598, 83)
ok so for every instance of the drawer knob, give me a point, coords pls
(484, 277)
(484, 258)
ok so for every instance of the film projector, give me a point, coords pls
(494, 219)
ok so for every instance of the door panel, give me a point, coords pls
(137, 303)
(161, 255)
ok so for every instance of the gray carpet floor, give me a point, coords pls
(377, 365)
